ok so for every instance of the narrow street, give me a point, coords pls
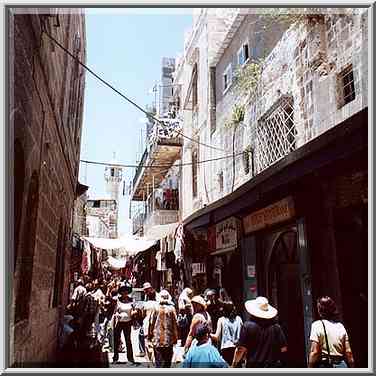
(198, 173)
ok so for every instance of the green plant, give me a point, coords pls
(247, 77)
(238, 113)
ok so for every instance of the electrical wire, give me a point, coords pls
(121, 94)
(158, 166)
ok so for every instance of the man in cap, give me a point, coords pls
(261, 338)
(148, 290)
(163, 330)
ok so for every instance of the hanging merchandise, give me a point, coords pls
(170, 259)
(86, 258)
(179, 242)
(161, 261)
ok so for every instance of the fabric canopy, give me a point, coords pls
(115, 263)
(161, 231)
(129, 244)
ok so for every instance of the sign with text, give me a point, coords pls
(226, 234)
(277, 212)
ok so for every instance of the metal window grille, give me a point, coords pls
(348, 88)
(276, 133)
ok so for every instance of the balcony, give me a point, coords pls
(161, 208)
(161, 217)
(163, 149)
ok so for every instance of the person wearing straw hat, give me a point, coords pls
(200, 316)
(261, 340)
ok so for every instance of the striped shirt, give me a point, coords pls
(163, 326)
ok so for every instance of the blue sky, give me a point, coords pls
(125, 47)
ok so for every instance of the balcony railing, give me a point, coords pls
(138, 221)
(161, 217)
(139, 168)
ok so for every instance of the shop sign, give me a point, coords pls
(227, 234)
(277, 212)
(198, 268)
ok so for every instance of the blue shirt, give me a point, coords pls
(203, 356)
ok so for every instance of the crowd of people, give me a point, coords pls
(192, 330)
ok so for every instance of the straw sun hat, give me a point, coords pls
(260, 308)
(199, 300)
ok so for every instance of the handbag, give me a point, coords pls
(326, 361)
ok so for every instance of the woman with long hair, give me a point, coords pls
(228, 331)
(330, 345)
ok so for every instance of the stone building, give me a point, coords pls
(46, 105)
(292, 223)
(101, 217)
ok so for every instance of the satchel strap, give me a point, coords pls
(326, 340)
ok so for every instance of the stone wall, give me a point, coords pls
(302, 63)
(46, 104)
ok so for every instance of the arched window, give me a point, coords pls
(26, 253)
(59, 266)
(19, 187)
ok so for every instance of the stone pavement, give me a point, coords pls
(142, 361)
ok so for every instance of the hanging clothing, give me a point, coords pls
(86, 258)
(161, 261)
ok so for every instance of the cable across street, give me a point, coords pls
(120, 93)
(158, 165)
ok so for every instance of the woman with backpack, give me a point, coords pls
(228, 331)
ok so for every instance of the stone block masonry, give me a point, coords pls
(46, 100)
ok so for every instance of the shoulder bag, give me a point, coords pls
(326, 361)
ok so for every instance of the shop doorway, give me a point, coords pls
(285, 289)
(351, 232)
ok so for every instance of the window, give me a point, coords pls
(24, 284)
(194, 173)
(227, 78)
(220, 181)
(246, 161)
(243, 54)
(112, 172)
(257, 48)
(194, 87)
(276, 133)
(346, 87)
(59, 268)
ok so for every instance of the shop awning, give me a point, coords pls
(129, 244)
(161, 231)
(115, 264)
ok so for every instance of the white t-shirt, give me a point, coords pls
(337, 337)
(150, 306)
(124, 310)
(78, 292)
(229, 331)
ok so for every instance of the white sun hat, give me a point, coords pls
(260, 308)
(199, 300)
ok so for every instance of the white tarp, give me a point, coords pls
(161, 231)
(129, 244)
(115, 263)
